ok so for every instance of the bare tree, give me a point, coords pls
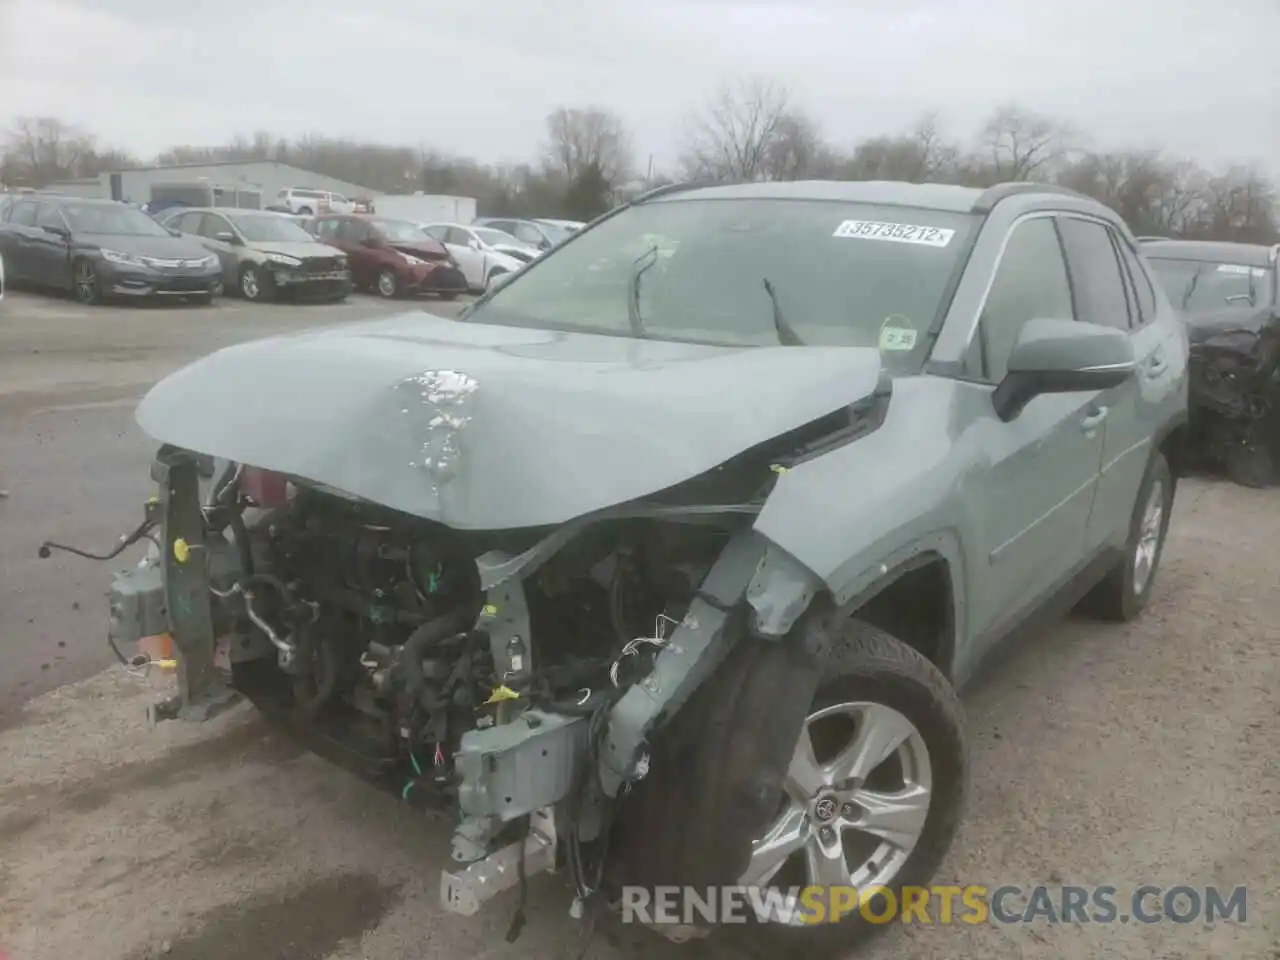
(731, 139)
(40, 150)
(582, 139)
(1240, 205)
(795, 150)
(1022, 145)
(936, 158)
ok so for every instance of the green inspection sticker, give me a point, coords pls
(897, 334)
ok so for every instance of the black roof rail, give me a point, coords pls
(1147, 239)
(1002, 191)
(669, 188)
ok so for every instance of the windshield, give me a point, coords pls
(264, 229)
(114, 219)
(1198, 286)
(401, 231)
(713, 270)
(490, 236)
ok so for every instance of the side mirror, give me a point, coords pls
(225, 236)
(475, 244)
(1062, 356)
(371, 242)
(62, 232)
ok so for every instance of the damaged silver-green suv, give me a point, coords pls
(662, 564)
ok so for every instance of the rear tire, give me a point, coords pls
(687, 812)
(449, 296)
(1123, 594)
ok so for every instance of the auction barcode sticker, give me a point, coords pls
(894, 232)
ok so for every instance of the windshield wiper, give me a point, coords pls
(641, 264)
(787, 335)
(1191, 289)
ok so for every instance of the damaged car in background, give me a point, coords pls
(1229, 296)
(663, 563)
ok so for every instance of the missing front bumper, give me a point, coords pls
(465, 891)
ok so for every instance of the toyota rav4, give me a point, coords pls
(663, 562)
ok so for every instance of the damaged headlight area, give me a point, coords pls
(512, 677)
(1234, 394)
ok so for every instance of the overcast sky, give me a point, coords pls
(478, 77)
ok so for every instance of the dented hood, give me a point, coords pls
(489, 427)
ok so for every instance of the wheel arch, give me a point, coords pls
(918, 600)
(915, 593)
(1172, 440)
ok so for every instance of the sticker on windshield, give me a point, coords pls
(896, 334)
(894, 232)
(1233, 268)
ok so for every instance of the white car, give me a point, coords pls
(482, 253)
(568, 226)
(308, 202)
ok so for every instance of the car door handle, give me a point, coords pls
(1094, 419)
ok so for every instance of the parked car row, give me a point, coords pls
(101, 249)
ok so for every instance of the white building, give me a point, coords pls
(268, 176)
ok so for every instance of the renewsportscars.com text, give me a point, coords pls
(941, 905)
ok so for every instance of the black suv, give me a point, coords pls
(101, 249)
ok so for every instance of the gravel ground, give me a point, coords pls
(1115, 755)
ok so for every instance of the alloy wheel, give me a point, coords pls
(1147, 548)
(86, 282)
(857, 796)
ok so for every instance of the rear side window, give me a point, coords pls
(48, 216)
(211, 225)
(354, 231)
(23, 214)
(1096, 281)
(326, 228)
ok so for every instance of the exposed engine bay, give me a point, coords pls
(513, 678)
(380, 618)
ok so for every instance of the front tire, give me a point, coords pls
(88, 288)
(1250, 464)
(387, 285)
(873, 798)
(1123, 594)
(256, 286)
